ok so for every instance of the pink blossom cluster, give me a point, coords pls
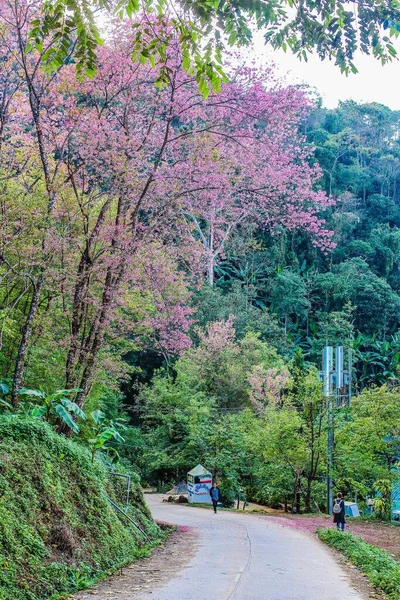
(266, 386)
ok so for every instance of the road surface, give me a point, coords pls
(247, 557)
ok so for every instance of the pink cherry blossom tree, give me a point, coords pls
(23, 91)
(266, 386)
(141, 187)
(248, 164)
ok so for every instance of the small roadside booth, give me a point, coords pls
(351, 509)
(396, 503)
(199, 482)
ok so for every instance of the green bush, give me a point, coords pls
(57, 529)
(379, 566)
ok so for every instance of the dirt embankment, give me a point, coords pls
(146, 574)
(58, 530)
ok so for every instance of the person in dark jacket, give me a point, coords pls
(214, 493)
(339, 515)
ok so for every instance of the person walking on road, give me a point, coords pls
(339, 512)
(214, 493)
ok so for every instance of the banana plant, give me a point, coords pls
(4, 391)
(377, 361)
(54, 407)
(383, 501)
(103, 431)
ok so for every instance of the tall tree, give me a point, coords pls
(27, 76)
(249, 164)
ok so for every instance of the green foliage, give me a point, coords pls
(352, 281)
(220, 366)
(276, 448)
(4, 387)
(192, 417)
(101, 432)
(53, 407)
(176, 420)
(377, 361)
(292, 442)
(379, 566)
(204, 28)
(275, 454)
(57, 530)
(242, 302)
(383, 503)
(367, 444)
(4, 391)
(350, 297)
(289, 294)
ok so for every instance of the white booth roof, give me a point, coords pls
(199, 470)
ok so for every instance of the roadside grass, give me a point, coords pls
(382, 570)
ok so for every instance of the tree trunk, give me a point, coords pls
(18, 381)
(211, 257)
(80, 292)
(298, 502)
(307, 497)
(96, 336)
(34, 101)
(294, 498)
(210, 270)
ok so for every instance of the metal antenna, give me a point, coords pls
(327, 368)
(335, 379)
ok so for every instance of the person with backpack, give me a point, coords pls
(339, 512)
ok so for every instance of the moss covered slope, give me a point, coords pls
(57, 529)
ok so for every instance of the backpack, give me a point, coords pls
(336, 507)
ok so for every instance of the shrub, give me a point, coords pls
(379, 566)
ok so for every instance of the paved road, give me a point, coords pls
(245, 557)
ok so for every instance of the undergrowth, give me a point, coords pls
(379, 566)
(58, 532)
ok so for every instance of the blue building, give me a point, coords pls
(396, 502)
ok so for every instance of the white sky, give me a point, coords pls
(373, 82)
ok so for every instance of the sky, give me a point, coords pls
(373, 82)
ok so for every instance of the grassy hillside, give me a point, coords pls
(57, 529)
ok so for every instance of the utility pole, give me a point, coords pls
(327, 368)
(335, 380)
(349, 376)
